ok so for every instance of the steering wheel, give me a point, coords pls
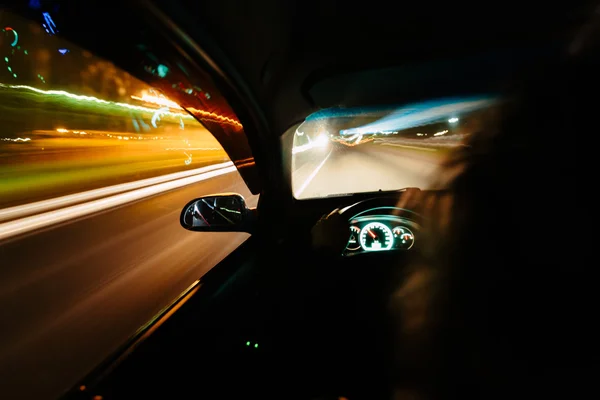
(330, 233)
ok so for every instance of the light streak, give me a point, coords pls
(64, 201)
(194, 148)
(408, 147)
(49, 26)
(217, 117)
(90, 99)
(163, 101)
(38, 221)
(158, 100)
(158, 114)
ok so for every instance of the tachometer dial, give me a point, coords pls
(353, 243)
(404, 237)
(376, 236)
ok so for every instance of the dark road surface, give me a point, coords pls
(72, 294)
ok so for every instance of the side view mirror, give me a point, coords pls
(226, 212)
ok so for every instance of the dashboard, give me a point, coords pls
(381, 229)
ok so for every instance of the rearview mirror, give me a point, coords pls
(218, 213)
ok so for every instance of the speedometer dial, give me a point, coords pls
(376, 236)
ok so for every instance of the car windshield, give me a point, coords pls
(338, 151)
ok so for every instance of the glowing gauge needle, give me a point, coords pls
(371, 233)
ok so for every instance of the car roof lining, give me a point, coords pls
(481, 73)
(279, 47)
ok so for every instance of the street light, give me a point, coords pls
(453, 120)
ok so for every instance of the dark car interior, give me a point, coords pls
(267, 325)
(277, 318)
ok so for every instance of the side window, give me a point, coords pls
(95, 167)
(72, 122)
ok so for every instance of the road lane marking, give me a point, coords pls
(311, 177)
(408, 147)
(31, 223)
(64, 201)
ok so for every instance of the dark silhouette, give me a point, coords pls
(502, 302)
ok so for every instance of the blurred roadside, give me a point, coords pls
(72, 144)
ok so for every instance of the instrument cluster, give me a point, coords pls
(376, 233)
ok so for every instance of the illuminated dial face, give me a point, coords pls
(353, 240)
(376, 236)
(404, 237)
